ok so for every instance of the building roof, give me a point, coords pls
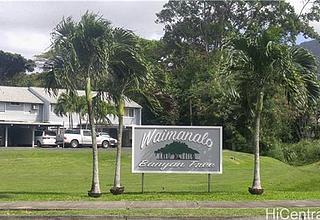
(50, 97)
(30, 123)
(18, 94)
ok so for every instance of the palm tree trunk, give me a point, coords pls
(69, 120)
(117, 182)
(117, 188)
(95, 187)
(80, 121)
(87, 121)
(256, 184)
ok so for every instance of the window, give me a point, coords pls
(2, 107)
(53, 106)
(50, 133)
(104, 134)
(129, 112)
(38, 133)
(34, 107)
(14, 106)
(27, 108)
(15, 103)
(77, 131)
(86, 133)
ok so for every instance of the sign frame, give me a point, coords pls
(173, 127)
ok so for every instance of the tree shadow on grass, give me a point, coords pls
(188, 195)
(181, 193)
(12, 194)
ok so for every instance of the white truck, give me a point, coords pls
(82, 137)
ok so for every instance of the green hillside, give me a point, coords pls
(51, 174)
(314, 47)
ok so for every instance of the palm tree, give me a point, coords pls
(127, 73)
(102, 109)
(81, 108)
(66, 106)
(260, 65)
(78, 58)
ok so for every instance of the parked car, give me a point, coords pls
(45, 138)
(104, 135)
(82, 137)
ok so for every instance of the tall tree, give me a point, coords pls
(196, 32)
(205, 24)
(159, 107)
(69, 104)
(127, 74)
(81, 108)
(103, 108)
(28, 80)
(261, 64)
(12, 65)
(66, 106)
(78, 59)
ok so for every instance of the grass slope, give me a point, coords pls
(65, 174)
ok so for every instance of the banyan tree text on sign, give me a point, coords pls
(176, 149)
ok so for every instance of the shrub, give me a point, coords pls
(272, 148)
(301, 153)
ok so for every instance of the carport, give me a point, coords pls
(21, 133)
(113, 132)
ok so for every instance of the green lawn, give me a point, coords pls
(65, 174)
(144, 212)
(198, 212)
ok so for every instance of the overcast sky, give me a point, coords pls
(25, 26)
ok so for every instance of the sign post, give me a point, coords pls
(142, 183)
(177, 149)
(209, 182)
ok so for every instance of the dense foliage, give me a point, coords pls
(189, 60)
(13, 65)
(301, 153)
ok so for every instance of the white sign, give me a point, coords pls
(176, 149)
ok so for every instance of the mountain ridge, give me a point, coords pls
(313, 47)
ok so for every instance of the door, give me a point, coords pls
(86, 138)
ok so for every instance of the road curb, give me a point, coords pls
(86, 205)
(100, 217)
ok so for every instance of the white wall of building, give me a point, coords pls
(25, 112)
(133, 119)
